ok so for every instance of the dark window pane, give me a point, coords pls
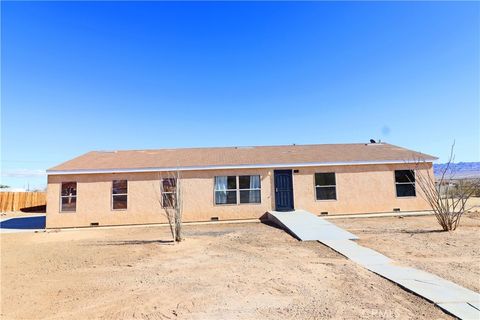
(169, 185)
(119, 202)
(404, 176)
(249, 182)
(119, 187)
(326, 193)
(225, 197)
(250, 196)
(244, 182)
(169, 200)
(232, 182)
(406, 190)
(69, 188)
(325, 179)
(69, 203)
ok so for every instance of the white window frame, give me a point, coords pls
(62, 196)
(325, 186)
(249, 189)
(237, 190)
(226, 190)
(118, 194)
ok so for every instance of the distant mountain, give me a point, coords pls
(460, 170)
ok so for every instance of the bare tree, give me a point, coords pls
(171, 201)
(447, 196)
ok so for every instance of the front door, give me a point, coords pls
(283, 190)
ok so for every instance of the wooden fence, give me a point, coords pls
(16, 201)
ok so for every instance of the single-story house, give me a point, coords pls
(132, 187)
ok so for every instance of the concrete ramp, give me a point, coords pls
(452, 298)
(306, 226)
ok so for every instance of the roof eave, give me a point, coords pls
(229, 167)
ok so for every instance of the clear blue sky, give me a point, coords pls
(87, 76)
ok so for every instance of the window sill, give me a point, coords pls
(327, 200)
(236, 204)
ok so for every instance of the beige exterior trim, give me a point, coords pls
(227, 167)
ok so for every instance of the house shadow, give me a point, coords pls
(134, 242)
(421, 231)
(35, 209)
(271, 224)
(264, 220)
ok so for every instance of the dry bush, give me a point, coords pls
(171, 200)
(447, 196)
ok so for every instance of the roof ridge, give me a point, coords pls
(240, 146)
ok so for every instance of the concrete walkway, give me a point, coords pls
(452, 298)
(306, 226)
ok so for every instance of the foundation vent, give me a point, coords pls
(214, 218)
(94, 224)
(396, 209)
(324, 213)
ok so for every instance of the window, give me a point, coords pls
(119, 194)
(226, 190)
(229, 189)
(168, 192)
(405, 183)
(325, 186)
(69, 197)
(249, 189)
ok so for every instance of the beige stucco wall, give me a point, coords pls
(360, 189)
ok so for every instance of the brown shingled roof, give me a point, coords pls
(240, 156)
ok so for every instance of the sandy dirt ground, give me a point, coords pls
(235, 271)
(473, 204)
(419, 242)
